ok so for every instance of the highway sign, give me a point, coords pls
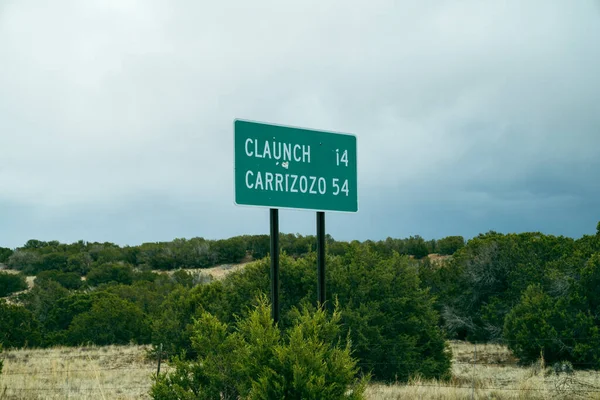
(278, 166)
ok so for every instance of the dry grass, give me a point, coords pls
(218, 272)
(494, 375)
(124, 372)
(438, 259)
(109, 372)
(221, 271)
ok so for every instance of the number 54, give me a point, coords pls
(336, 187)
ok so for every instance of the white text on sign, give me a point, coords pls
(277, 150)
(291, 183)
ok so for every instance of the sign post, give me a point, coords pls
(274, 222)
(286, 167)
(321, 258)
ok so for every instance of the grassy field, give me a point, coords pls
(124, 372)
(491, 372)
(109, 372)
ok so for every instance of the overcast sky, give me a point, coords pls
(116, 117)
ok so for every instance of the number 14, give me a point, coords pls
(343, 159)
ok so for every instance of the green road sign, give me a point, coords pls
(284, 167)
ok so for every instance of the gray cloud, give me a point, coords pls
(116, 117)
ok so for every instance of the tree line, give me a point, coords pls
(81, 257)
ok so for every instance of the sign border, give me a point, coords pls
(294, 208)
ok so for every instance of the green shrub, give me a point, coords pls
(145, 276)
(483, 281)
(589, 283)
(110, 320)
(27, 261)
(173, 322)
(63, 311)
(390, 318)
(69, 280)
(53, 261)
(111, 273)
(450, 245)
(42, 299)
(254, 360)
(11, 283)
(559, 328)
(79, 263)
(5, 253)
(18, 326)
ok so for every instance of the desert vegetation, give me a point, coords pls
(256, 360)
(401, 308)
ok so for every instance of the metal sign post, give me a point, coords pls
(321, 258)
(274, 217)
